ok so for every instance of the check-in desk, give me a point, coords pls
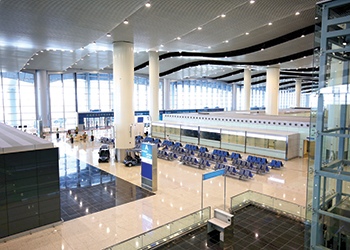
(222, 222)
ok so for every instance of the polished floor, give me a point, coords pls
(86, 189)
(179, 193)
(254, 228)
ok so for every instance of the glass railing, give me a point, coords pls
(251, 197)
(166, 232)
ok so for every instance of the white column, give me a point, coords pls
(153, 85)
(272, 87)
(123, 78)
(166, 88)
(42, 101)
(297, 92)
(234, 97)
(247, 89)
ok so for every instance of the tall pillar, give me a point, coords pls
(297, 92)
(247, 89)
(153, 85)
(272, 87)
(123, 78)
(166, 92)
(234, 97)
(42, 95)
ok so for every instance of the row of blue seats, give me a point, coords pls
(206, 156)
(179, 150)
(138, 137)
(192, 161)
(168, 143)
(220, 153)
(148, 139)
(235, 156)
(191, 147)
(189, 152)
(166, 155)
(177, 144)
(230, 170)
(257, 160)
(259, 168)
(203, 150)
(276, 164)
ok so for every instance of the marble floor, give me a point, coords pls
(179, 193)
(254, 229)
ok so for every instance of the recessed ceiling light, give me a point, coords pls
(270, 23)
(36, 54)
(262, 49)
(316, 17)
(209, 47)
(88, 54)
(126, 21)
(42, 51)
(297, 13)
(252, 1)
(82, 59)
(247, 33)
(162, 45)
(32, 59)
(199, 28)
(178, 38)
(303, 35)
(27, 63)
(226, 41)
(148, 4)
(71, 50)
(344, 43)
(24, 68)
(109, 35)
(223, 15)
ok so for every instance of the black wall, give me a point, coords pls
(29, 190)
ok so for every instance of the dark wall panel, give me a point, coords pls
(29, 190)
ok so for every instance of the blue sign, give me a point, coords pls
(140, 119)
(146, 170)
(146, 153)
(213, 174)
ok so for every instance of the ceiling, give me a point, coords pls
(195, 39)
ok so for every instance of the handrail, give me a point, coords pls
(288, 209)
(167, 224)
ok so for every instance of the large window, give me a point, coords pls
(17, 100)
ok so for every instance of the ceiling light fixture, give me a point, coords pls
(36, 54)
(344, 43)
(88, 54)
(126, 21)
(148, 4)
(262, 49)
(178, 38)
(226, 41)
(71, 50)
(247, 33)
(297, 13)
(162, 45)
(252, 1)
(199, 28)
(42, 51)
(31, 58)
(223, 15)
(270, 23)
(302, 35)
(209, 47)
(109, 35)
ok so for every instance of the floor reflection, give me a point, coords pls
(86, 189)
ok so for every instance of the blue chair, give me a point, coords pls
(249, 158)
(253, 159)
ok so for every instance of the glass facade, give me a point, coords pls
(17, 100)
(198, 94)
(94, 91)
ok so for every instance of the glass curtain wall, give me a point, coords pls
(198, 94)
(17, 100)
